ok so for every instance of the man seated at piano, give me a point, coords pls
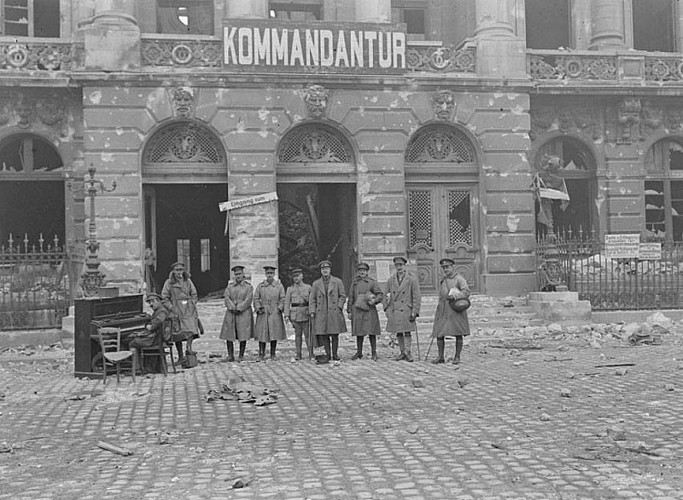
(149, 336)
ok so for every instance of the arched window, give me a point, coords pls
(314, 143)
(439, 144)
(577, 169)
(664, 190)
(28, 154)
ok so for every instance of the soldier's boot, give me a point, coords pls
(298, 341)
(402, 346)
(441, 344)
(273, 346)
(373, 347)
(231, 351)
(326, 345)
(458, 349)
(335, 347)
(261, 351)
(179, 348)
(408, 340)
(243, 347)
(359, 348)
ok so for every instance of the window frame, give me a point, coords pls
(30, 23)
(315, 6)
(667, 177)
(398, 9)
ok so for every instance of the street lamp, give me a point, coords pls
(92, 279)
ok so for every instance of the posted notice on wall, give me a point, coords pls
(383, 268)
(622, 246)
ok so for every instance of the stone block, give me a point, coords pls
(262, 140)
(511, 223)
(553, 296)
(508, 202)
(249, 185)
(508, 182)
(112, 140)
(624, 206)
(158, 104)
(112, 47)
(382, 162)
(383, 99)
(378, 224)
(385, 204)
(120, 228)
(118, 206)
(505, 141)
(120, 96)
(101, 117)
(627, 224)
(497, 119)
(511, 243)
(511, 263)
(386, 183)
(501, 58)
(245, 163)
(129, 249)
(361, 119)
(339, 105)
(113, 162)
(508, 285)
(249, 249)
(383, 245)
(571, 310)
(380, 142)
(625, 188)
(404, 120)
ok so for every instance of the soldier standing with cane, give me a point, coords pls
(402, 301)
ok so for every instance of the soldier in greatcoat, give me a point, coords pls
(179, 296)
(364, 295)
(269, 302)
(402, 301)
(326, 307)
(296, 312)
(149, 337)
(238, 323)
(446, 320)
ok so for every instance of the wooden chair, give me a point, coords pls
(158, 351)
(112, 354)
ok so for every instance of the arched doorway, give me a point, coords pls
(31, 189)
(577, 168)
(184, 171)
(316, 185)
(442, 188)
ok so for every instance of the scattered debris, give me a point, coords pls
(621, 372)
(238, 390)
(566, 393)
(242, 482)
(544, 417)
(412, 428)
(114, 449)
(669, 387)
(6, 448)
(462, 382)
(550, 359)
(640, 338)
(418, 383)
(616, 433)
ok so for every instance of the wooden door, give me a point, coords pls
(442, 223)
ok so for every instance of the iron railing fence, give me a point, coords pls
(35, 284)
(616, 284)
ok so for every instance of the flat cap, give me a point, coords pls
(446, 262)
(363, 265)
(296, 271)
(236, 268)
(178, 264)
(399, 258)
(269, 267)
(151, 296)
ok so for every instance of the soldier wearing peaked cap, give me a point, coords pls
(179, 295)
(155, 328)
(297, 298)
(446, 320)
(269, 302)
(402, 300)
(364, 295)
(326, 308)
(238, 323)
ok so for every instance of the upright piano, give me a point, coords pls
(124, 312)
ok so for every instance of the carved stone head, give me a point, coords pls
(443, 104)
(182, 100)
(316, 98)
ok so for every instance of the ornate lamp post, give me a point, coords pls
(92, 279)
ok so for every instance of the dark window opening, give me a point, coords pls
(193, 17)
(28, 154)
(296, 11)
(414, 16)
(39, 18)
(653, 25)
(548, 24)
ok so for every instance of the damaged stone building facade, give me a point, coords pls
(385, 127)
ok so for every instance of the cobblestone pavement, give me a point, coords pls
(542, 420)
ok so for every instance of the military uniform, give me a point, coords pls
(446, 320)
(327, 308)
(364, 294)
(238, 323)
(269, 302)
(402, 301)
(296, 310)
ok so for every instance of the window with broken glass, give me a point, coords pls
(192, 17)
(301, 10)
(35, 18)
(664, 191)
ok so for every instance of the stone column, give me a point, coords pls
(112, 37)
(377, 11)
(501, 52)
(247, 9)
(607, 25)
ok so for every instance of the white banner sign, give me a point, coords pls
(247, 202)
(622, 246)
(650, 251)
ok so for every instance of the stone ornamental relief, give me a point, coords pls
(628, 118)
(316, 98)
(585, 119)
(443, 104)
(182, 101)
(22, 110)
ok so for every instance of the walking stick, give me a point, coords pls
(417, 339)
(430, 346)
(310, 338)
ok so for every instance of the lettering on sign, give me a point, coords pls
(622, 246)
(650, 251)
(247, 202)
(271, 46)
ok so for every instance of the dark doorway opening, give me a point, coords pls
(317, 222)
(188, 227)
(32, 208)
